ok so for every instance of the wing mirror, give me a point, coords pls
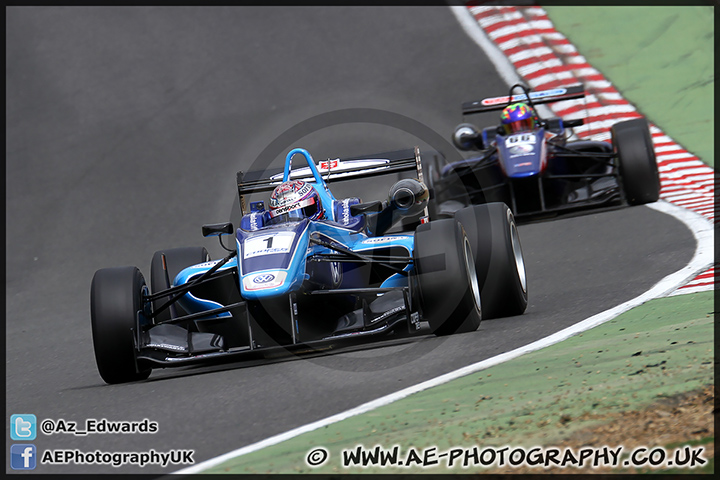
(467, 137)
(215, 229)
(409, 196)
(218, 230)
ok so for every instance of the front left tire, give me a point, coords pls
(499, 258)
(449, 293)
(637, 163)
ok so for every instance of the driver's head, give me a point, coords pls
(518, 117)
(294, 200)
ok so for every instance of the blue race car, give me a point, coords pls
(531, 164)
(311, 270)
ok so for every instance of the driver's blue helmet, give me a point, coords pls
(294, 200)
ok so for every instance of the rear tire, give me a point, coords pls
(448, 287)
(115, 298)
(499, 258)
(177, 259)
(636, 161)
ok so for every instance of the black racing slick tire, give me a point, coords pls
(115, 299)
(447, 282)
(499, 259)
(636, 161)
(176, 260)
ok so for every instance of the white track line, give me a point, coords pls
(703, 258)
(470, 25)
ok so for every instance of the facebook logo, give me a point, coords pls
(23, 427)
(22, 457)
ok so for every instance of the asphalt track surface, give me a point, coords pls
(125, 128)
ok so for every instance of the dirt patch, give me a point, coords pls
(678, 420)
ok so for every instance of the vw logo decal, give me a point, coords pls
(268, 277)
(336, 273)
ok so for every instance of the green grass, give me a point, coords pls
(661, 59)
(658, 349)
(708, 468)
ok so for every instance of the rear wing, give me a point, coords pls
(542, 96)
(336, 169)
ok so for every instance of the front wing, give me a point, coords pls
(166, 344)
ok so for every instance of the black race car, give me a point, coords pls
(536, 169)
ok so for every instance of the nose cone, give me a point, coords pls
(523, 161)
(522, 154)
(265, 284)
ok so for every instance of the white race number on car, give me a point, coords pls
(269, 244)
(520, 139)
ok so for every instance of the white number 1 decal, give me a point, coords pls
(268, 244)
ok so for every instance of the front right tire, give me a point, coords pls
(115, 299)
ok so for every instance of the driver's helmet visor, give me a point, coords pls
(305, 208)
(519, 125)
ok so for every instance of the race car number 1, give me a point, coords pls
(268, 244)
